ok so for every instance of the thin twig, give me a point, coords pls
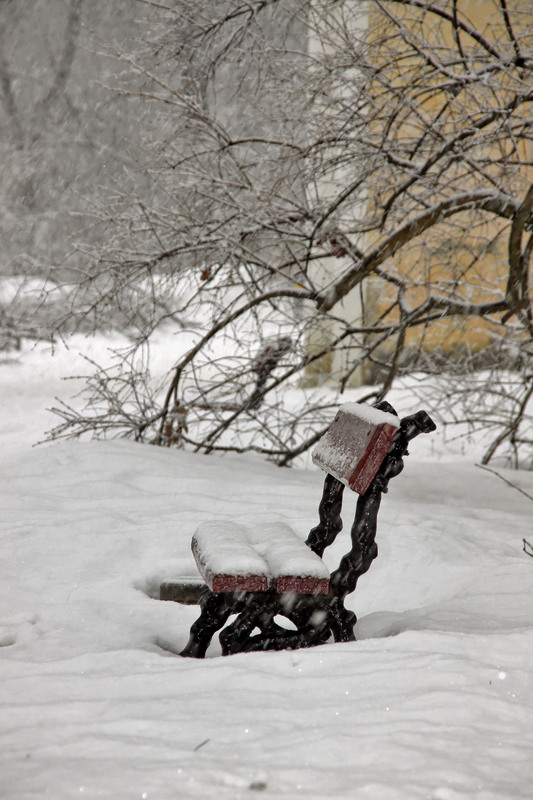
(509, 483)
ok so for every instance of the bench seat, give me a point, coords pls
(234, 557)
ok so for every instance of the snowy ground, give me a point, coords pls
(434, 701)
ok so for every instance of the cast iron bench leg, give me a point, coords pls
(213, 617)
(363, 534)
(253, 612)
(355, 563)
(329, 515)
(259, 611)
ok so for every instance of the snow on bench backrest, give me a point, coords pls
(355, 444)
(233, 557)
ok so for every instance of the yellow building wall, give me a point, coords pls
(472, 258)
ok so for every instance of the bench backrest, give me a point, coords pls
(355, 444)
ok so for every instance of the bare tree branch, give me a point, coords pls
(358, 184)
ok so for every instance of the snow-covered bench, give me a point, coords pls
(264, 571)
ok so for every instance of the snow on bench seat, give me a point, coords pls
(233, 557)
(226, 559)
(355, 444)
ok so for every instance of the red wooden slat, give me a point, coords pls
(301, 585)
(237, 583)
